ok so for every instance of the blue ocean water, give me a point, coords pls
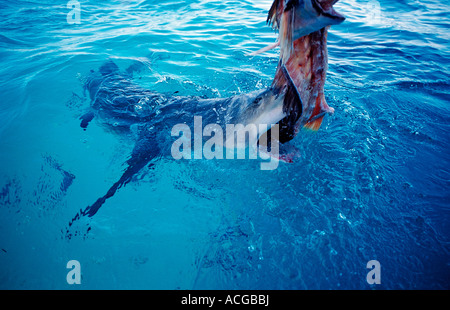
(371, 184)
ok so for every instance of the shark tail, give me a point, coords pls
(135, 164)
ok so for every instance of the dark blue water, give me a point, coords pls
(371, 184)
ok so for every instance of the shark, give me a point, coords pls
(295, 99)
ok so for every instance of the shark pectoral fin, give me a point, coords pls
(321, 108)
(86, 119)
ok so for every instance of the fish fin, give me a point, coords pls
(281, 16)
(319, 112)
(286, 35)
(315, 124)
(272, 18)
(265, 49)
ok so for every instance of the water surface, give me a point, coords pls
(372, 184)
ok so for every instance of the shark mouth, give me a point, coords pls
(325, 7)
